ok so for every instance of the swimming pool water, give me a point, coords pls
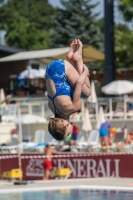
(68, 195)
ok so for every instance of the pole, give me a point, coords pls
(109, 69)
(125, 108)
(28, 78)
(110, 108)
(20, 149)
(0, 170)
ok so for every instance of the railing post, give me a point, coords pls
(110, 109)
(43, 114)
(125, 108)
(97, 110)
(30, 108)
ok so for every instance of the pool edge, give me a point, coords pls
(82, 187)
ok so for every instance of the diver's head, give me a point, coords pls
(59, 128)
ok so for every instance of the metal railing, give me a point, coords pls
(113, 108)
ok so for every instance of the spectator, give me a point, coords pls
(105, 134)
(48, 161)
(129, 140)
(74, 135)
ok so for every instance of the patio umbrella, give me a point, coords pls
(118, 87)
(101, 118)
(2, 101)
(90, 54)
(30, 73)
(2, 98)
(93, 97)
(86, 126)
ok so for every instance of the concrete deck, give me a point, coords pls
(124, 184)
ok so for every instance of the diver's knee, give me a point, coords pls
(85, 95)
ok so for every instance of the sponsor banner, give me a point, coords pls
(81, 165)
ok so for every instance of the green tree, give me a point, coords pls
(123, 44)
(126, 7)
(100, 23)
(75, 20)
(1, 2)
(27, 23)
(124, 36)
(123, 48)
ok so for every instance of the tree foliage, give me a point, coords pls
(27, 23)
(124, 36)
(126, 7)
(75, 20)
(1, 1)
(123, 48)
(123, 44)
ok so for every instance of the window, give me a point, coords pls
(35, 66)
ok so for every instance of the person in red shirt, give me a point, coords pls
(74, 135)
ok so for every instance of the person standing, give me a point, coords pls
(47, 164)
(105, 133)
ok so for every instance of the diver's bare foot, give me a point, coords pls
(73, 47)
(77, 54)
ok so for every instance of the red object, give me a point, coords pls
(75, 129)
(15, 130)
(47, 164)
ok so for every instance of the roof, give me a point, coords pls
(37, 54)
(9, 49)
(90, 54)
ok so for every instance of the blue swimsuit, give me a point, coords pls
(56, 71)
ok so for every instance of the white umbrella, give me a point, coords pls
(2, 98)
(101, 118)
(30, 119)
(31, 73)
(118, 87)
(93, 97)
(86, 126)
(2, 102)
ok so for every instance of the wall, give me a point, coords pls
(5, 132)
(8, 68)
(81, 165)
